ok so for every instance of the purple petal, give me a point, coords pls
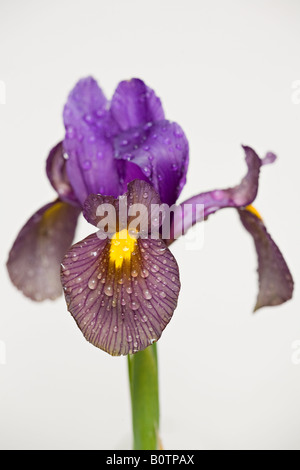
(56, 171)
(122, 310)
(242, 195)
(34, 260)
(89, 127)
(161, 152)
(134, 104)
(138, 193)
(275, 280)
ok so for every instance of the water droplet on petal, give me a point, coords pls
(154, 268)
(144, 273)
(134, 305)
(129, 290)
(92, 284)
(108, 290)
(147, 294)
(162, 294)
(115, 329)
(218, 195)
(144, 319)
(134, 273)
(86, 165)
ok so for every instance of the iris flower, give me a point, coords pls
(122, 290)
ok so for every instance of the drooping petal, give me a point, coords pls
(121, 309)
(56, 172)
(134, 104)
(89, 129)
(161, 152)
(275, 280)
(34, 260)
(242, 195)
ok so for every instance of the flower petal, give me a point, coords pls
(161, 152)
(56, 171)
(275, 280)
(134, 104)
(34, 260)
(242, 195)
(140, 203)
(121, 310)
(89, 128)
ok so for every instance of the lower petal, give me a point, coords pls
(35, 258)
(275, 280)
(121, 307)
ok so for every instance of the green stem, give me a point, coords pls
(143, 378)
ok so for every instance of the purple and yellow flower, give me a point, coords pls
(122, 289)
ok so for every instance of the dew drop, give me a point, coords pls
(145, 273)
(154, 268)
(92, 284)
(129, 338)
(162, 294)
(123, 302)
(134, 305)
(108, 290)
(218, 195)
(129, 290)
(147, 294)
(145, 195)
(144, 319)
(147, 171)
(86, 165)
(70, 133)
(134, 273)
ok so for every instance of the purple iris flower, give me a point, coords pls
(122, 290)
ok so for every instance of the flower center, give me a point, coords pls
(121, 248)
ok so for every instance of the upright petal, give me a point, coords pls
(56, 172)
(89, 128)
(135, 104)
(241, 195)
(275, 280)
(161, 152)
(35, 258)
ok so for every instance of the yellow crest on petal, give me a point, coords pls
(121, 248)
(253, 211)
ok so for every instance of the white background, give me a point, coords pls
(224, 71)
